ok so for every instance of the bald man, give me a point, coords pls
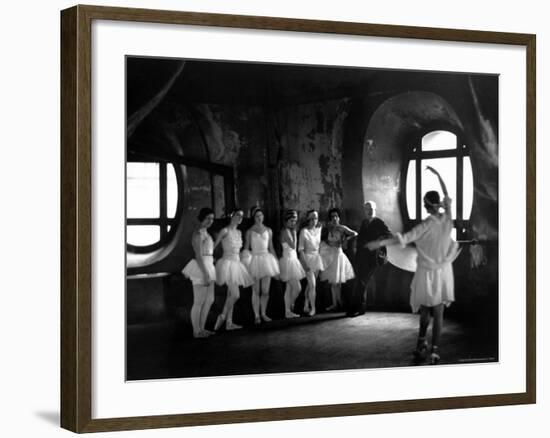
(366, 261)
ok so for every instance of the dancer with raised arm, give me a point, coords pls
(338, 268)
(202, 273)
(290, 267)
(308, 249)
(230, 270)
(259, 257)
(432, 287)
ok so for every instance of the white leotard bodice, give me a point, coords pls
(207, 244)
(259, 242)
(232, 243)
(310, 240)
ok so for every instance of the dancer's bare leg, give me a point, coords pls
(421, 344)
(336, 299)
(291, 292)
(256, 301)
(199, 294)
(436, 332)
(310, 293)
(339, 295)
(233, 296)
(264, 298)
(205, 309)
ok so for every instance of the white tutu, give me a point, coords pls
(194, 272)
(290, 266)
(230, 270)
(338, 268)
(291, 269)
(314, 261)
(327, 254)
(260, 265)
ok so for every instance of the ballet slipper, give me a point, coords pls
(257, 320)
(421, 352)
(208, 332)
(199, 335)
(232, 326)
(290, 314)
(311, 312)
(434, 357)
(331, 308)
(266, 318)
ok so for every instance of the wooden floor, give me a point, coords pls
(328, 341)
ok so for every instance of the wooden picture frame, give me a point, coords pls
(76, 218)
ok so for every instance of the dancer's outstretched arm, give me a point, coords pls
(446, 200)
(441, 182)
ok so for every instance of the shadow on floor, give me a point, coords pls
(50, 417)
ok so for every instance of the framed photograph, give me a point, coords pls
(268, 218)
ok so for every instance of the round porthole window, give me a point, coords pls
(152, 204)
(443, 151)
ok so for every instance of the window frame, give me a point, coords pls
(163, 221)
(414, 152)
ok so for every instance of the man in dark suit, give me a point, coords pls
(366, 261)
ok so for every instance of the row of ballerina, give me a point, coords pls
(255, 263)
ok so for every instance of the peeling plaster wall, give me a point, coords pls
(236, 137)
(311, 156)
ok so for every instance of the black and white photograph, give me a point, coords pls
(285, 218)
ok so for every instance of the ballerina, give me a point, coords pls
(230, 270)
(432, 287)
(202, 273)
(338, 268)
(308, 248)
(259, 257)
(290, 267)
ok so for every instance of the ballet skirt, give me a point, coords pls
(338, 268)
(290, 266)
(230, 269)
(259, 261)
(433, 281)
(193, 271)
(309, 243)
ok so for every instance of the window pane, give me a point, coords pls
(411, 189)
(467, 189)
(438, 141)
(171, 191)
(142, 190)
(142, 235)
(447, 169)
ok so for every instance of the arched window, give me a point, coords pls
(446, 152)
(151, 204)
